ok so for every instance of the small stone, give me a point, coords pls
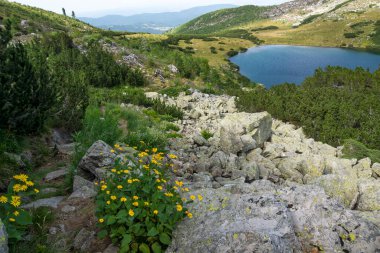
(54, 175)
(3, 238)
(49, 202)
(111, 249)
(53, 230)
(83, 240)
(79, 182)
(83, 193)
(68, 209)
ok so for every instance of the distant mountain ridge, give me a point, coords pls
(152, 22)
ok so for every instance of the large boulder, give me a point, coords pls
(3, 238)
(342, 188)
(369, 198)
(98, 158)
(260, 217)
(243, 131)
(363, 168)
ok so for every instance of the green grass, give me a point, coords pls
(356, 149)
(42, 217)
(218, 21)
(206, 134)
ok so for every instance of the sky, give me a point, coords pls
(92, 8)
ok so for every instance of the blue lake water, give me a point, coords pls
(276, 64)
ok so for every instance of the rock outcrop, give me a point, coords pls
(3, 238)
(266, 186)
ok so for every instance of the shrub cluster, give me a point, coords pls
(15, 218)
(138, 205)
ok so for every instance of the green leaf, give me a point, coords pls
(111, 220)
(156, 247)
(24, 219)
(144, 248)
(102, 234)
(122, 214)
(126, 240)
(165, 238)
(152, 232)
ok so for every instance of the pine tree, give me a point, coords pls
(73, 14)
(64, 11)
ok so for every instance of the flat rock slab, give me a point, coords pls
(3, 238)
(49, 202)
(56, 175)
(83, 193)
(111, 249)
(83, 240)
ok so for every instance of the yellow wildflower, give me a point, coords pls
(112, 151)
(108, 192)
(123, 199)
(179, 183)
(146, 167)
(16, 213)
(103, 187)
(200, 197)
(3, 199)
(136, 180)
(179, 208)
(131, 213)
(190, 215)
(154, 150)
(130, 181)
(119, 187)
(108, 202)
(17, 188)
(36, 190)
(113, 197)
(24, 188)
(192, 197)
(135, 203)
(29, 183)
(117, 146)
(159, 187)
(16, 201)
(135, 197)
(172, 156)
(146, 203)
(155, 212)
(158, 180)
(101, 220)
(126, 171)
(21, 177)
(113, 170)
(12, 220)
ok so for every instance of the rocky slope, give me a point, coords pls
(267, 187)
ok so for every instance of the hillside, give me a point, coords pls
(352, 23)
(151, 22)
(26, 19)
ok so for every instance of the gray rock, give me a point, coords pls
(111, 249)
(173, 69)
(49, 202)
(83, 240)
(235, 125)
(259, 217)
(342, 188)
(288, 168)
(49, 190)
(376, 170)
(83, 193)
(79, 182)
(364, 168)
(200, 140)
(54, 175)
(68, 209)
(3, 238)
(66, 149)
(369, 199)
(98, 159)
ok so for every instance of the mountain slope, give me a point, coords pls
(28, 19)
(152, 22)
(218, 21)
(353, 23)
